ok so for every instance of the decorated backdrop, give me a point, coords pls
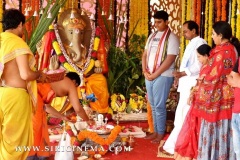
(139, 13)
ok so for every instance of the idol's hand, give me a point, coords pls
(54, 64)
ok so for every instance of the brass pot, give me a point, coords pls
(169, 126)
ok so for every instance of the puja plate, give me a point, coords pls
(105, 129)
(131, 117)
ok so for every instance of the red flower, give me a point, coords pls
(94, 54)
(105, 147)
(55, 132)
(61, 58)
(76, 143)
(97, 31)
(70, 132)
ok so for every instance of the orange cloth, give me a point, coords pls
(97, 84)
(40, 129)
(149, 117)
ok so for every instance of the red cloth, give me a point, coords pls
(236, 108)
(143, 149)
(212, 99)
(215, 97)
(187, 142)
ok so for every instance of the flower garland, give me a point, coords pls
(138, 12)
(61, 57)
(206, 26)
(218, 11)
(233, 19)
(118, 103)
(237, 24)
(183, 41)
(223, 12)
(96, 42)
(93, 136)
(210, 24)
(136, 102)
(198, 15)
(184, 4)
(189, 9)
(194, 8)
(238, 20)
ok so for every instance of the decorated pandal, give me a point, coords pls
(74, 43)
(78, 46)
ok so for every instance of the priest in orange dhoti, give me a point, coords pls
(65, 87)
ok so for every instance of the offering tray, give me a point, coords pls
(104, 129)
(55, 133)
(131, 117)
(134, 131)
(55, 75)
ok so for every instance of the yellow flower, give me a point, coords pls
(210, 24)
(206, 20)
(136, 101)
(50, 27)
(233, 19)
(96, 43)
(138, 13)
(56, 47)
(68, 67)
(118, 102)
